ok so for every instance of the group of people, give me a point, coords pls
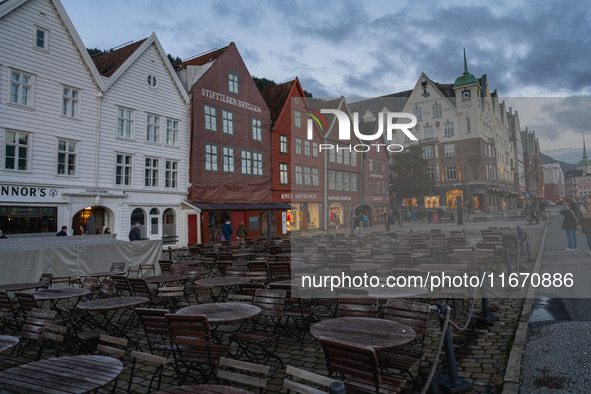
(227, 231)
(360, 219)
(83, 231)
(577, 218)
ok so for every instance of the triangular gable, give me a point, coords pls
(8, 6)
(437, 89)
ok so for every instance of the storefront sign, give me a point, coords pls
(95, 192)
(230, 100)
(339, 198)
(298, 197)
(18, 193)
(376, 176)
(380, 199)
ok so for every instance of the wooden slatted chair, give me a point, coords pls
(156, 329)
(46, 279)
(250, 288)
(295, 310)
(358, 306)
(359, 366)
(119, 266)
(165, 266)
(112, 347)
(27, 302)
(122, 286)
(160, 362)
(192, 348)
(107, 289)
(321, 383)
(279, 271)
(228, 371)
(12, 312)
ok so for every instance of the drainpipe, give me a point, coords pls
(325, 183)
(99, 96)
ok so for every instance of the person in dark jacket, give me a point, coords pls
(227, 231)
(241, 232)
(83, 230)
(62, 233)
(136, 233)
(569, 224)
(584, 219)
(2, 236)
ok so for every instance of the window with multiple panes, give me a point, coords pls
(211, 157)
(21, 88)
(468, 125)
(66, 157)
(451, 173)
(370, 164)
(346, 181)
(227, 122)
(339, 176)
(431, 173)
(427, 152)
(416, 112)
(331, 180)
(246, 162)
(448, 129)
(210, 118)
(428, 132)
(70, 102)
(172, 132)
(315, 177)
(297, 116)
(307, 176)
(298, 146)
(384, 166)
(370, 188)
(257, 163)
(377, 165)
(152, 128)
(314, 149)
(450, 150)
(339, 156)
(354, 159)
(16, 153)
(384, 187)
(257, 133)
(171, 174)
(41, 38)
(228, 159)
(332, 156)
(124, 122)
(282, 144)
(232, 82)
(306, 147)
(123, 169)
(151, 172)
(298, 175)
(436, 110)
(353, 182)
(346, 157)
(283, 174)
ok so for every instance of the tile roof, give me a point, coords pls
(276, 98)
(108, 62)
(203, 59)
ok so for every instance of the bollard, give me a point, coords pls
(337, 388)
(508, 261)
(352, 223)
(529, 256)
(486, 316)
(451, 383)
(460, 212)
(169, 253)
(519, 233)
(518, 253)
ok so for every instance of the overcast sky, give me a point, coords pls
(372, 48)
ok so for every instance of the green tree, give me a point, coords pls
(411, 174)
(174, 60)
(94, 51)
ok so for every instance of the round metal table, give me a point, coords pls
(222, 312)
(7, 342)
(22, 286)
(158, 279)
(59, 294)
(104, 273)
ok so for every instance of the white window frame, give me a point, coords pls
(67, 154)
(451, 172)
(245, 162)
(298, 146)
(331, 180)
(370, 166)
(428, 152)
(21, 86)
(283, 174)
(256, 126)
(172, 132)
(431, 173)
(298, 171)
(283, 144)
(315, 176)
(233, 85)
(70, 102)
(124, 165)
(257, 163)
(151, 171)
(346, 181)
(45, 47)
(353, 182)
(437, 110)
(210, 120)
(17, 148)
(417, 112)
(306, 147)
(153, 128)
(125, 124)
(314, 149)
(152, 81)
(448, 129)
(346, 157)
(450, 150)
(228, 159)
(307, 176)
(211, 157)
(332, 156)
(428, 132)
(171, 174)
(339, 155)
(354, 159)
(297, 118)
(339, 180)
(227, 122)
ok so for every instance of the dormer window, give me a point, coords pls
(41, 38)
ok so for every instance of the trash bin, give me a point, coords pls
(435, 218)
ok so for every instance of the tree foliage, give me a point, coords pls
(264, 83)
(411, 177)
(174, 60)
(94, 51)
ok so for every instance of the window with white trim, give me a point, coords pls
(339, 156)
(346, 181)
(451, 173)
(354, 159)
(282, 144)
(427, 152)
(315, 177)
(246, 162)
(232, 82)
(377, 165)
(151, 172)
(339, 177)
(468, 124)
(353, 182)
(67, 152)
(228, 159)
(70, 102)
(370, 164)
(298, 175)
(257, 163)
(123, 169)
(307, 176)
(297, 116)
(21, 88)
(210, 118)
(331, 180)
(125, 122)
(346, 157)
(431, 173)
(41, 38)
(172, 132)
(256, 126)
(171, 174)
(314, 149)
(16, 150)
(384, 188)
(370, 188)
(331, 156)
(211, 157)
(298, 146)
(450, 150)
(448, 129)
(417, 113)
(436, 110)
(283, 174)
(428, 132)
(152, 128)
(306, 147)
(227, 122)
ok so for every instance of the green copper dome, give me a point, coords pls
(585, 161)
(467, 78)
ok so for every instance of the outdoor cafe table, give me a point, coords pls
(105, 305)
(23, 286)
(55, 295)
(103, 274)
(159, 279)
(73, 374)
(364, 332)
(223, 283)
(7, 342)
(386, 293)
(204, 389)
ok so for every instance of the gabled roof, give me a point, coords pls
(8, 6)
(275, 97)
(203, 59)
(108, 62)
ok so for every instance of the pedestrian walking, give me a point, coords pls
(569, 224)
(387, 220)
(584, 220)
(408, 216)
(63, 233)
(414, 216)
(241, 231)
(227, 231)
(135, 234)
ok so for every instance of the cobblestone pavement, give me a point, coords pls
(481, 351)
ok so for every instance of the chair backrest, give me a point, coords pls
(188, 330)
(279, 270)
(121, 284)
(255, 375)
(107, 288)
(6, 304)
(258, 266)
(240, 298)
(177, 269)
(171, 291)
(413, 314)
(140, 287)
(150, 358)
(223, 265)
(236, 270)
(358, 306)
(300, 387)
(155, 324)
(271, 302)
(34, 324)
(358, 362)
(194, 273)
(46, 279)
(147, 267)
(250, 288)
(27, 301)
(119, 266)
(114, 347)
(90, 284)
(165, 266)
